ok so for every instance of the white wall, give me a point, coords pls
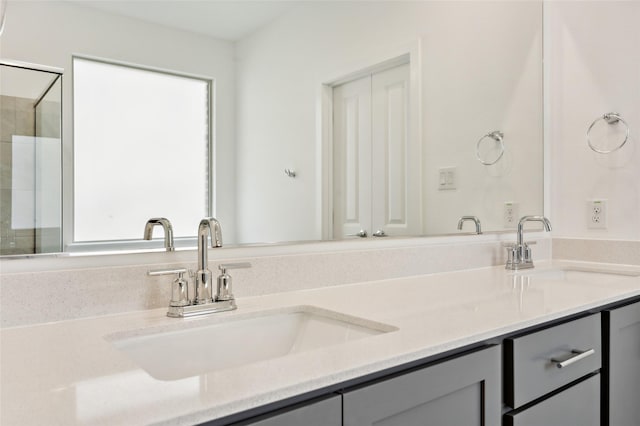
(482, 73)
(282, 67)
(49, 32)
(595, 69)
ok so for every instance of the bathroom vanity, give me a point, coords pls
(466, 389)
(481, 345)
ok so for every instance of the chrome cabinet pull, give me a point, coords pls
(577, 357)
(379, 233)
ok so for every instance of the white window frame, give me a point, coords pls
(157, 244)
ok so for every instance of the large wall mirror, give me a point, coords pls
(327, 120)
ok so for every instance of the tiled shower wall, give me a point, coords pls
(18, 118)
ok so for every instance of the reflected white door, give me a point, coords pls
(396, 156)
(376, 161)
(352, 157)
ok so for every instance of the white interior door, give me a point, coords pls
(352, 158)
(376, 159)
(395, 156)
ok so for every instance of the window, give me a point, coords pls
(141, 150)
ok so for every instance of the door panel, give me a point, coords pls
(443, 411)
(352, 157)
(326, 412)
(376, 159)
(396, 158)
(623, 369)
(464, 391)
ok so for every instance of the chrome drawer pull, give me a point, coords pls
(579, 355)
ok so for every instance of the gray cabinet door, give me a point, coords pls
(623, 369)
(578, 405)
(464, 391)
(327, 412)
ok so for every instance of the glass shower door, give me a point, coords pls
(48, 171)
(30, 160)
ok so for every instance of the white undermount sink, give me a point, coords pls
(190, 349)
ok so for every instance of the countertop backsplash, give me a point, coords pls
(29, 298)
(602, 251)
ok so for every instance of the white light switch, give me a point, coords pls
(447, 178)
(511, 214)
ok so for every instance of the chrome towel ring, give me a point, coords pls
(610, 118)
(497, 136)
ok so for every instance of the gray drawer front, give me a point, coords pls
(578, 405)
(530, 373)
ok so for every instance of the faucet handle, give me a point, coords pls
(179, 286)
(526, 253)
(156, 272)
(224, 266)
(224, 291)
(512, 252)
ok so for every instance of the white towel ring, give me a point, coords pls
(610, 118)
(497, 136)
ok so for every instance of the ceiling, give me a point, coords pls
(221, 19)
(24, 83)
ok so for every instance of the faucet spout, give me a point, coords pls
(519, 255)
(209, 227)
(473, 219)
(166, 226)
(525, 219)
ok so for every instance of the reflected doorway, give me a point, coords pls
(376, 164)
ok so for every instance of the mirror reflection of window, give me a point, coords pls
(141, 150)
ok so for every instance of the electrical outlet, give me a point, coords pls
(597, 214)
(511, 214)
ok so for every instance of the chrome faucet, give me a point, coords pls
(203, 301)
(519, 254)
(180, 306)
(166, 226)
(473, 219)
(208, 227)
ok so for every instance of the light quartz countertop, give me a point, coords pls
(69, 373)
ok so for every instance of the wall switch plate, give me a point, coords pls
(511, 214)
(597, 214)
(447, 178)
